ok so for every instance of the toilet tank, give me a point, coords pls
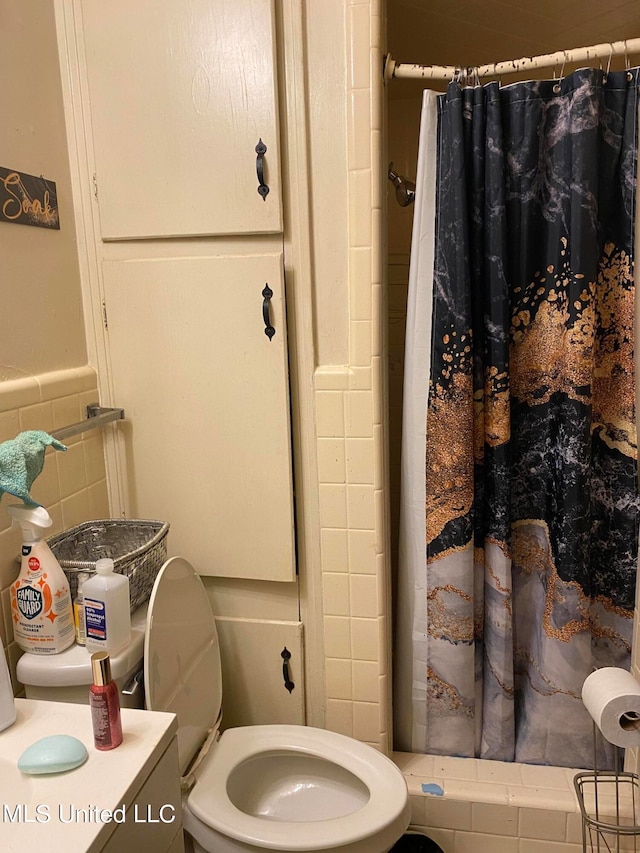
(66, 677)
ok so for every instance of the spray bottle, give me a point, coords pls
(40, 599)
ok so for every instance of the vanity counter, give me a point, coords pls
(125, 799)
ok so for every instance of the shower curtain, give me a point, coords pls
(519, 512)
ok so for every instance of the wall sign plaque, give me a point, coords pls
(27, 200)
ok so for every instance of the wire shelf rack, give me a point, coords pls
(609, 806)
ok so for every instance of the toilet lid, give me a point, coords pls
(182, 670)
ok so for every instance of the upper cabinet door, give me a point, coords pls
(181, 92)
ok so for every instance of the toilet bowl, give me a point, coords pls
(258, 788)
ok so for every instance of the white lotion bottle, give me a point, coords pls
(107, 610)
(7, 703)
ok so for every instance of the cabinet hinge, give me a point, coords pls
(95, 186)
(104, 315)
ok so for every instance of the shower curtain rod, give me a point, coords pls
(392, 69)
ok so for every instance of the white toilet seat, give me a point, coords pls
(209, 800)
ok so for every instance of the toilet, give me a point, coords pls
(252, 788)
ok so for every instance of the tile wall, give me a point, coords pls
(72, 486)
(350, 415)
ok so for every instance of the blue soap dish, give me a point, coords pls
(53, 754)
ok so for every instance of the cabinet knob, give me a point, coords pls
(261, 150)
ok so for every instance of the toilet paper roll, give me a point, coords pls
(612, 698)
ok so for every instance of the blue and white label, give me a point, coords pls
(96, 619)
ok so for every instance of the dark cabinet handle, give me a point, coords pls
(285, 654)
(267, 293)
(261, 150)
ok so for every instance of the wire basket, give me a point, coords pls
(138, 548)
(609, 806)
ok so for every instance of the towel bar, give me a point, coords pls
(97, 416)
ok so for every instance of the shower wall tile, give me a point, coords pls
(362, 552)
(339, 716)
(339, 679)
(360, 378)
(331, 460)
(330, 413)
(360, 506)
(364, 639)
(335, 591)
(358, 414)
(333, 505)
(337, 640)
(360, 460)
(360, 274)
(364, 596)
(365, 681)
(72, 485)
(349, 413)
(359, 129)
(334, 550)
(360, 193)
(359, 46)
(360, 344)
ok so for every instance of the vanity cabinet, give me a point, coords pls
(180, 94)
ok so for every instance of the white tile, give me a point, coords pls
(460, 789)
(15, 393)
(447, 814)
(334, 550)
(360, 218)
(333, 505)
(360, 343)
(362, 551)
(475, 842)
(338, 678)
(366, 686)
(360, 507)
(364, 596)
(360, 283)
(337, 637)
(365, 639)
(335, 593)
(528, 845)
(359, 47)
(366, 721)
(339, 717)
(542, 824)
(359, 414)
(331, 460)
(330, 420)
(494, 818)
(360, 460)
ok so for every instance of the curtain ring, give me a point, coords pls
(606, 73)
(627, 62)
(476, 76)
(558, 86)
(457, 73)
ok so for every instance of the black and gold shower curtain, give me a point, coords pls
(531, 486)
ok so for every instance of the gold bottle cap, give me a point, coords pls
(101, 668)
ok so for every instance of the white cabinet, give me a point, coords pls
(180, 92)
(253, 654)
(206, 394)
